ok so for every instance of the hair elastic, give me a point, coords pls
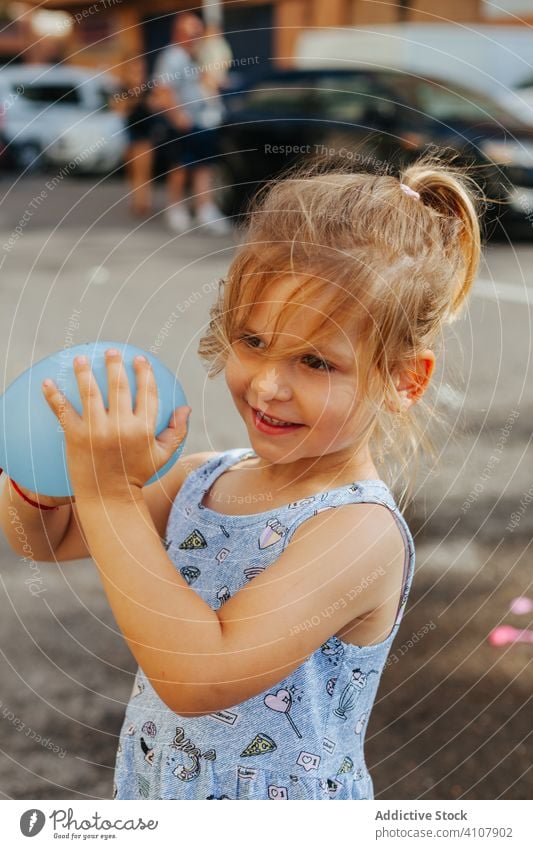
(29, 500)
(409, 191)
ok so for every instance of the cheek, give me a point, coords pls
(338, 404)
(234, 373)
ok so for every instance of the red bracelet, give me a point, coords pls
(29, 500)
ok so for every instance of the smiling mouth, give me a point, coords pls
(272, 420)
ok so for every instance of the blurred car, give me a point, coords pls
(519, 100)
(55, 115)
(375, 119)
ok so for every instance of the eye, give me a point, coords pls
(328, 366)
(323, 365)
(248, 340)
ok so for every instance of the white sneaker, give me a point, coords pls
(178, 218)
(213, 219)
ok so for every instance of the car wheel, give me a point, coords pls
(29, 157)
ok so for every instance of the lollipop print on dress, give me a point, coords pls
(281, 702)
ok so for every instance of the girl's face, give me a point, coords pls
(315, 390)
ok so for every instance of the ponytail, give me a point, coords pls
(454, 196)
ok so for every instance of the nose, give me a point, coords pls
(270, 383)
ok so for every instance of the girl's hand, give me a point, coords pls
(110, 452)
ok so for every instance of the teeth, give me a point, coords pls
(273, 421)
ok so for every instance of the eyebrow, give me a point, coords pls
(336, 354)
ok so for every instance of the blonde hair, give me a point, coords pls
(364, 254)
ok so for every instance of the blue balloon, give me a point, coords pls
(32, 448)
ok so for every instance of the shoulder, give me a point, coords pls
(160, 495)
(163, 61)
(361, 537)
(357, 519)
(173, 56)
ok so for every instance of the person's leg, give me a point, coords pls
(202, 186)
(177, 214)
(207, 212)
(176, 182)
(140, 176)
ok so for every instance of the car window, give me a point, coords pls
(102, 97)
(51, 93)
(524, 83)
(282, 98)
(351, 97)
(447, 101)
(443, 104)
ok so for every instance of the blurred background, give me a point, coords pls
(131, 142)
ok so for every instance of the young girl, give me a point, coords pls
(261, 617)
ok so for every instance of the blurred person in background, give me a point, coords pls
(188, 96)
(215, 57)
(136, 103)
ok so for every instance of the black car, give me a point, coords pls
(378, 120)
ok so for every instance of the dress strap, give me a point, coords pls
(200, 478)
(359, 492)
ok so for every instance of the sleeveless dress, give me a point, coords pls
(301, 739)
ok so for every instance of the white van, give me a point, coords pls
(487, 57)
(50, 114)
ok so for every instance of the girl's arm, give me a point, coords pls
(338, 566)
(341, 564)
(31, 532)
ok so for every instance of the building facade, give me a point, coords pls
(104, 32)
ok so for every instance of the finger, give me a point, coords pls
(118, 386)
(171, 438)
(59, 404)
(90, 396)
(147, 400)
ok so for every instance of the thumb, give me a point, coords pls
(171, 438)
(179, 418)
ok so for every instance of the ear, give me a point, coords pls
(413, 381)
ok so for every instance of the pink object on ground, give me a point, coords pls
(522, 604)
(505, 634)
